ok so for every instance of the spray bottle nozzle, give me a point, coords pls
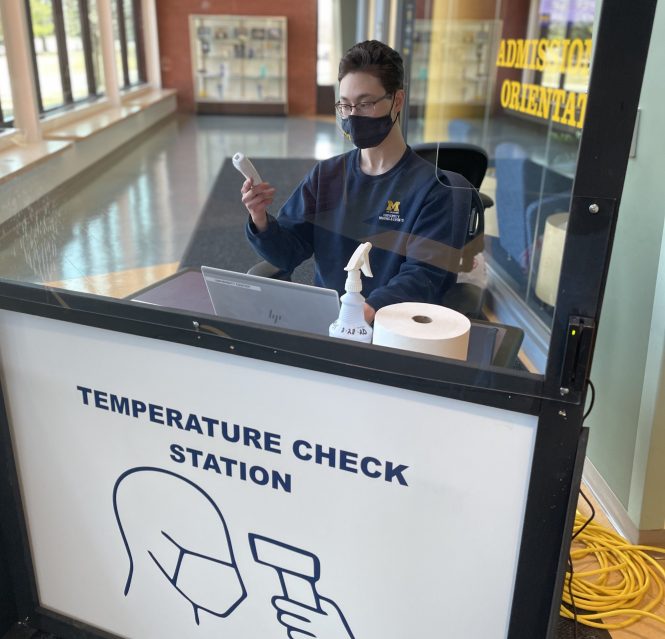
(359, 262)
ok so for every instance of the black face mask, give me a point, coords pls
(367, 132)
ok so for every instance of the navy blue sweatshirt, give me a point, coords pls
(406, 213)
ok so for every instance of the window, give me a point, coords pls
(66, 51)
(567, 21)
(45, 55)
(96, 45)
(328, 53)
(6, 103)
(83, 50)
(513, 81)
(128, 32)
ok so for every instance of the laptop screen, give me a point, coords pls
(272, 302)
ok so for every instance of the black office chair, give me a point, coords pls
(470, 161)
(467, 160)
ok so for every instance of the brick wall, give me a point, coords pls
(514, 19)
(174, 46)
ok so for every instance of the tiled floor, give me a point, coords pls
(138, 213)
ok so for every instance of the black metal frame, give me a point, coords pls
(88, 51)
(560, 441)
(140, 41)
(122, 35)
(604, 152)
(2, 117)
(491, 386)
(614, 92)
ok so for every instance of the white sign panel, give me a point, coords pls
(177, 492)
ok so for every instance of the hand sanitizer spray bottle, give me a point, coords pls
(351, 322)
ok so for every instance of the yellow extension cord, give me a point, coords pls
(628, 582)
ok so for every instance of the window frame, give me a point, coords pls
(88, 52)
(60, 33)
(4, 124)
(137, 21)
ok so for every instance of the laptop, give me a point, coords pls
(250, 298)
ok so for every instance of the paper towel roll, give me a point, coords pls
(424, 328)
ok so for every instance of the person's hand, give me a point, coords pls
(301, 622)
(369, 314)
(257, 198)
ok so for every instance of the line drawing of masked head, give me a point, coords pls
(177, 525)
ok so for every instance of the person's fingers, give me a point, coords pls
(257, 194)
(255, 201)
(261, 186)
(297, 634)
(264, 187)
(260, 195)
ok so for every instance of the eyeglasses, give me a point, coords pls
(366, 107)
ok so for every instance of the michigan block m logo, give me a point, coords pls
(393, 207)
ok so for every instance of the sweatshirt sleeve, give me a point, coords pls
(288, 240)
(429, 268)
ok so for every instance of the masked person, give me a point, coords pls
(381, 192)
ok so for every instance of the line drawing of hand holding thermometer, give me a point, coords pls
(301, 610)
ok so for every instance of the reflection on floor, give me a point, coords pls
(136, 212)
(120, 284)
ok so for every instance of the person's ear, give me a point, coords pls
(400, 96)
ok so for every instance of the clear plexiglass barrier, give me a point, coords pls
(459, 174)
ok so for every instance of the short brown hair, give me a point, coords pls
(377, 59)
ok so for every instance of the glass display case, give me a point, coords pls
(466, 48)
(239, 64)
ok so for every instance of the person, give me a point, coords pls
(381, 192)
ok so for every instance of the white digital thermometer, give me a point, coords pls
(245, 166)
